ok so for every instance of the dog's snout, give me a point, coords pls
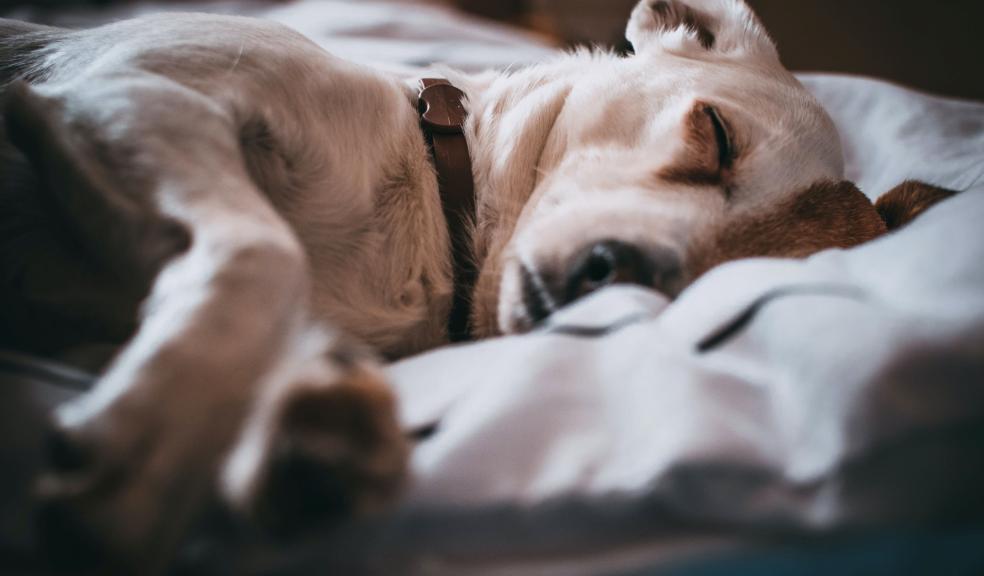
(605, 263)
(599, 265)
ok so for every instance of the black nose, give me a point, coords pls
(614, 262)
(597, 266)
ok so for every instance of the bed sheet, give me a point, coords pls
(399, 35)
(772, 399)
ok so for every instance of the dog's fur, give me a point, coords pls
(244, 207)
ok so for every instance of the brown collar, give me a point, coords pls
(442, 115)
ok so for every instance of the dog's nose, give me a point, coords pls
(599, 265)
(606, 263)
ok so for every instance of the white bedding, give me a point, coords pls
(853, 395)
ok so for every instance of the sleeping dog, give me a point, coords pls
(253, 222)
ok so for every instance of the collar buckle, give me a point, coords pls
(441, 109)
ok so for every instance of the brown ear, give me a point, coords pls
(835, 215)
(825, 215)
(700, 161)
(905, 202)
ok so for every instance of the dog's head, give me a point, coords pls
(698, 149)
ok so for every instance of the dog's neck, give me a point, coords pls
(507, 129)
(442, 117)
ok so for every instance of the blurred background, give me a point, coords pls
(933, 46)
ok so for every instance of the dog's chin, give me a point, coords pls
(517, 317)
(522, 317)
(522, 320)
(529, 299)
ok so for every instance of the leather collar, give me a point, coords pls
(442, 116)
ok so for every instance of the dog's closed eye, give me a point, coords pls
(726, 150)
(708, 153)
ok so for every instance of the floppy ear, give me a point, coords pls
(725, 26)
(905, 202)
(825, 215)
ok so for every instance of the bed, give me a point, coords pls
(809, 417)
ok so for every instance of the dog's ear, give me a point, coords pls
(725, 26)
(824, 215)
(117, 229)
(905, 202)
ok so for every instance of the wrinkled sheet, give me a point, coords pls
(773, 397)
(843, 391)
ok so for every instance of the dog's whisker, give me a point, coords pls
(239, 56)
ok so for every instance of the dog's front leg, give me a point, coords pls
(134, 459)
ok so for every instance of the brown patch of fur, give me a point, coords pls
(825, 215)
(905, 202)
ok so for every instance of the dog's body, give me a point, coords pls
(251, 190)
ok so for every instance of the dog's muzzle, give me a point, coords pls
(601, 264)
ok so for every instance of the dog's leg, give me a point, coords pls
(134, 459)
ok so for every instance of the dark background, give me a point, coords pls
(934, 45)
(937, 45)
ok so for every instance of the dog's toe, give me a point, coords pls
(336, 452)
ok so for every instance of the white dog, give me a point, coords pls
(241, 207)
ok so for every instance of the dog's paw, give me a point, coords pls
(326, 449)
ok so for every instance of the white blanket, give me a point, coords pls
(843, 391)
